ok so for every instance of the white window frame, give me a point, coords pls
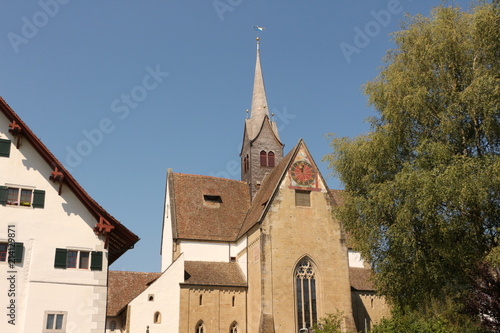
(78, 258)
(55, 313)
(20, 190)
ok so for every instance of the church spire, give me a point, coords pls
(262, 149)
(259, 100)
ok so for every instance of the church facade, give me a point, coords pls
(263, 254)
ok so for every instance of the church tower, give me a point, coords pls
(262, 149)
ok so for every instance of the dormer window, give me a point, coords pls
(212, 198)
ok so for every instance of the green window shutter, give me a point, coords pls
(38, 198)
(18, 254)
(96, 261)
(60, 261)
(4, 190)
(4, 148)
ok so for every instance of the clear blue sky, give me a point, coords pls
(67, 67)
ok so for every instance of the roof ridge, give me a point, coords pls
(129, 238)
(207, 176)
(282, 167)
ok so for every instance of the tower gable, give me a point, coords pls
(260, 156)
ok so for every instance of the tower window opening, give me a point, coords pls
(263, 158)
(270, 159)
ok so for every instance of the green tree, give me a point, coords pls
(331, 323)
(422, 188)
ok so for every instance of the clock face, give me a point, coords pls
(303, 173)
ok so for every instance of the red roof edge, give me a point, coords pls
(121, 239)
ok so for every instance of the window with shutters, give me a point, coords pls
(78, 259)
(54, 322)
(3, 251)
(12, 253)
(4, 148)
(19, 196)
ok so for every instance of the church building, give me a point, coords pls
(263, 254)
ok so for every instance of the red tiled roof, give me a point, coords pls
(337, 197)
(214, 274)
(123, 287)
(121, 239)
(360, 279)
(198, 219)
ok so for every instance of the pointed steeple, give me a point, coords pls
(259, 109)
(262, 149)
(259, 101)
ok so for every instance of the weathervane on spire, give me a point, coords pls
(257, 28)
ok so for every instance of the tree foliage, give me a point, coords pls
(422, 188)
(445, 320)
(331, 323)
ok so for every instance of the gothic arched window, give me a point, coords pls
(199, 327)
(305, 294)
(263, 158)
(270, 159)
(234, 327)
(157, 318)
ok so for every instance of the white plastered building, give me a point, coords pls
(56, 242)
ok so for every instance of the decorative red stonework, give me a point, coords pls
(103, 227)
(57, 176)
(15, 129)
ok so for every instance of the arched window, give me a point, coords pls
(199, 327)
(112, 325)
(305, 294)
(263, 158)
(247, 163)
(234, 327)
(157, 318)
(270, 159)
